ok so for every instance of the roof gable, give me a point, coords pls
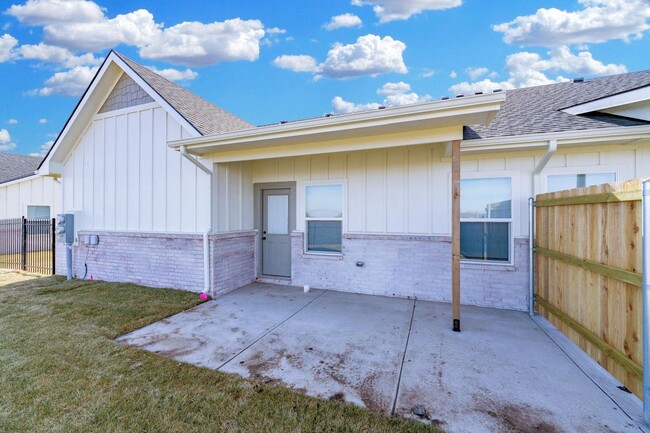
(195, 114)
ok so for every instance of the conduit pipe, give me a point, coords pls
(550, 151)
(206, 235)
(645, 289)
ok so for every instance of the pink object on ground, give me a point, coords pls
(91, 277)
(203, 296)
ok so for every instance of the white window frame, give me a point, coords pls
(515, 209)
(583, 169)
(302, 209)
(27, 206)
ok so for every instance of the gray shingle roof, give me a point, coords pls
(206, 117)
(13, 166)
(537, 109)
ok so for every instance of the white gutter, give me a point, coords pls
(206, 235)
(566, 138)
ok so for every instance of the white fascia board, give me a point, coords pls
(22, 179)
(453, 112)
(565, 138)
(626, 98)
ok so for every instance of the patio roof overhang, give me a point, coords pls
(430, 122)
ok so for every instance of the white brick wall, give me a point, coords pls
(408, 266)
(233, 260)
(173, 260)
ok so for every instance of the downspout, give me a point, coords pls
(645, 294)
(552, 148)
(207, 289)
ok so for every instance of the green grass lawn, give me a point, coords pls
(61, 371)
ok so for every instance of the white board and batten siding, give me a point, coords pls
(407, 190)
(121, 176)
(16, 195)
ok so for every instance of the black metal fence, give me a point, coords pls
(28, 245)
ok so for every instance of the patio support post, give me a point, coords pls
(645, 287)
(455, 234)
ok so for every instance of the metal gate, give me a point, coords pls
(28, 245)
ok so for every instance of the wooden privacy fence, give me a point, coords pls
(28, 245)
(588, 273)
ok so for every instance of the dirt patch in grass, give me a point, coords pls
(60, 370)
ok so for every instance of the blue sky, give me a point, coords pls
(304, 58)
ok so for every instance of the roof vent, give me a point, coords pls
(497, 90)
(444, 98)
(460, 96)
(329, 115)
(478, 93)
(382, 107)
(283, 122)
(579, 80)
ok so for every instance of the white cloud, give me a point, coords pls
(475, 73)
(370, 55)
(174, 74)
(72, 82)
(135, 28)
(453, 74)
(299, 63)
(198, 44)
(275, 31)
(394, 88)
(396, 94)
(598, 21)
(45, 147)
(391, 10)
(42, 121)
(342, 21)
(7, 44)
(44, 12)
(527, 69)
(12, 121)
(427, 73)
(5, 141)
(52, 54)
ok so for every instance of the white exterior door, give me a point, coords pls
(276, 235)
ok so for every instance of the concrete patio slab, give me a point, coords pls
(501, 374)
(344, 346)
(215, 332)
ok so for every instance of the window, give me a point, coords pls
(38, 212)
(486, 219)
(560, 182)
(324, 218)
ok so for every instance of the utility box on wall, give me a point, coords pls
(65, 227)
(91, 239)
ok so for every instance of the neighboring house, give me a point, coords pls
(23, 193)
(183, 194)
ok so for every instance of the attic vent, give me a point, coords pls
(579, 80)
(478, 93)
(329, 115)
(460, 96)
(497, 90)
(283, 122)
(382, 107)
(444, 98)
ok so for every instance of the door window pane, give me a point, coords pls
(485, 241)
(277, 208)
(486, 198)
(324, 201)
(324, 236)
(560, 182)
